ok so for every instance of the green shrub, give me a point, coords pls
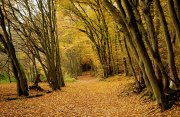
(68, 78)
(4, 78)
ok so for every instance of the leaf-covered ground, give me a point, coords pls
(86, 97)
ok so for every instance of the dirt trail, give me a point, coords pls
(86, 77)
(87, 97)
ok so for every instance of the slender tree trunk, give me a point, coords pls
(125, 66)
(34, 67)
(9, 74)
(156, 50)
(58, 65)
(116, 52)
(131, 65)
(177, 8)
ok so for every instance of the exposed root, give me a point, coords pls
(147, 94)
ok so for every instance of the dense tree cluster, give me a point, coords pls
(35, 24)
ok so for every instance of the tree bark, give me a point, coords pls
(131, 65)
(125, 66)
(177, 8)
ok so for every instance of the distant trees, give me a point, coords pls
(94, 21)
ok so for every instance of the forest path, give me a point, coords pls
(86, 97)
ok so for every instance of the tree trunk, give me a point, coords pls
(22, 87)
(177, 8)
(131, 65)
(9, 74)
(125, 66)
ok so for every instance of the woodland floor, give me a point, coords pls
(86, 97)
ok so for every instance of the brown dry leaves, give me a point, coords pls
(89, 98)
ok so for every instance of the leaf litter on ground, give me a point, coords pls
(87, 97)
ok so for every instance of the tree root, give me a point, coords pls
(38, 88)
(147, 94)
